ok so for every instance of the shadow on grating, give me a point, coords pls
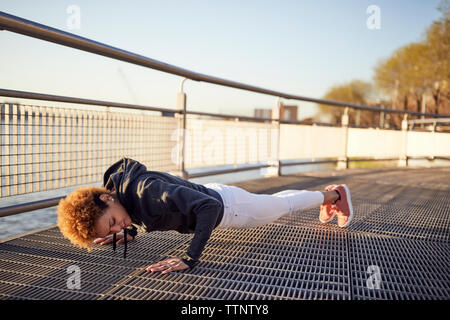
(271, 262)
(399, 241)
(407, 212)
(35, 266)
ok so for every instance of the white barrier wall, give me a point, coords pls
(224, 142)
(305, 141)
(45, 148)
(425, 144)
(377, 143)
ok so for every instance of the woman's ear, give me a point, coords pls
(105, 197)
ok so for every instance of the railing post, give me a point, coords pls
(181, 105)
(343, 159)
(279, 137)
(433, 156)
(274, 161)
(381, 123)
(403, 160)
(358, 117)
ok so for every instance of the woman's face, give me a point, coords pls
(114, 218)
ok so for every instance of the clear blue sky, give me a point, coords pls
(298, 47)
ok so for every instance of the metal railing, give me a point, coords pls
(40, 31)
(62, 140)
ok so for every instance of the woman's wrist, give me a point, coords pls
(189, 261)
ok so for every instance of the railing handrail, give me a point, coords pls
(57, 98)
(36, 30)
(423, 121)
(74, 100)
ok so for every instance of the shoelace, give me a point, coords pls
(125, 236)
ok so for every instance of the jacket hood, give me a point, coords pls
(121, 175)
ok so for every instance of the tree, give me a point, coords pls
(418, 68)
(438, 41)
(356, 92)
(404, 74)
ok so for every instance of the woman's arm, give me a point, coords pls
(165, 199)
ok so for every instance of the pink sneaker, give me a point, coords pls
(327, 211)
(344, 208)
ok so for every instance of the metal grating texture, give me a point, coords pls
(396, 248)
(47, 148)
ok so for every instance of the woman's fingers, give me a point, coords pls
(99, 240)
(168, 265)
(121, 238)
(109, 239)
(168, 270)
(157, 266)
(106, 241)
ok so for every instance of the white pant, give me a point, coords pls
(243, 209)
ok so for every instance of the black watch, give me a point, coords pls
(189, 261)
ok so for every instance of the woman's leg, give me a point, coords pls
(251, 210)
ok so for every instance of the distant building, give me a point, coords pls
(286, 112)
(262, 113)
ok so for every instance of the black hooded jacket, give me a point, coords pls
(160, 201)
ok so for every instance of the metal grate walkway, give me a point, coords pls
(401, 229)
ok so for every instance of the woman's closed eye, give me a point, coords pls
(111, 224)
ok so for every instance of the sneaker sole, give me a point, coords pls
(350, 206)
(329, 220)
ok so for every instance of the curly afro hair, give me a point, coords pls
(77, 214)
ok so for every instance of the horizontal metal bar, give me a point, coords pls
(223, 171)
(230, 116)
(310, 123)
(51, 97)
(429, 158)
(36, 30)
(299, 163)
(29, 206)
(372, 159)
(439, 120)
